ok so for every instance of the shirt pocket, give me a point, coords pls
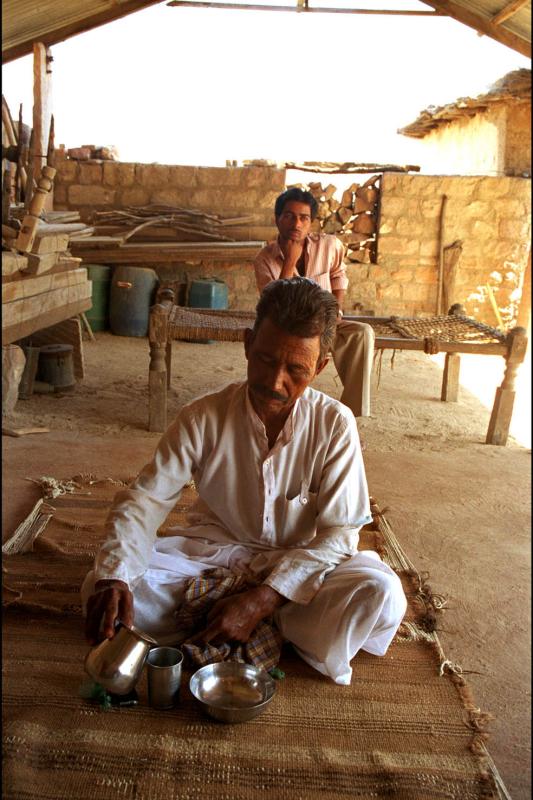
(299, 518)
(323, 279)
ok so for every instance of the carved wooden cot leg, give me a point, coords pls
(450, 378)
(157, 376)
(502, 410)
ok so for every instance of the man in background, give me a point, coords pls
(319, 257)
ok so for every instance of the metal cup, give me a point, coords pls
(163, 667)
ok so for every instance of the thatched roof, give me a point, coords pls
(515, 87)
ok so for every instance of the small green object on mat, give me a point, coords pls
(277, 673)
(95, 691)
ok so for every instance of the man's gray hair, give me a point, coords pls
(300, 307)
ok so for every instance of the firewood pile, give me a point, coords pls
(353, 218)
(156, 222)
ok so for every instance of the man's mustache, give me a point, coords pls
(268, 394)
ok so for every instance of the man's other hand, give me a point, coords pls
(111, 601)
(234, 618)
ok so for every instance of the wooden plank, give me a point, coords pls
(57, 243)
(508, 11)
(39, 264)
(393, 343)
(34, 307)
(301, 9)
(13, 262)
(55, 228)
(148, 252)
(31, 286)
(13, 333)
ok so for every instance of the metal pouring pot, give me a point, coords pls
(117, 663)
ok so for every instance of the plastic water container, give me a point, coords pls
(130, 298)
(208, 293)
(98, 314)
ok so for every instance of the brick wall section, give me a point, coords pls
(490, 215)
(86, 186)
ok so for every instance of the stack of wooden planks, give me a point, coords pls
(43, 286)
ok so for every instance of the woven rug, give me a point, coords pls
(406, 728)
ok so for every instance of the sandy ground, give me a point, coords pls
(460, 508)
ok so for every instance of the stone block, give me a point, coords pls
(90, 195)
(413, 228)
(484, 230)
(491, 188)
(478, 209)
(118, 174)
(420, 293)
(133, 196)
(398, 245)
(215, 177)
(60, 195)
(152, 176)
(90, 173)
(379, 273)
(425, 275)
(514, 229)
(13, 361)
(402, 275)
(170, 196)
(183, 177)
(266, 178)
(67, 171)
(391, 291)
(429, 248)
(387, 227)
(212, 200)
(392, 207)
(431, 208)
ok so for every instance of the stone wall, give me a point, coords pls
(86, 186)
(491, 217)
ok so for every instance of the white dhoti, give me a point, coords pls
(359, 606)
(353, 355)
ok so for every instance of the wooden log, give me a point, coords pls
(6, 193)
(50, 244)
(347, 198)
(450, 378)
(502, 410)
(59, 228)
(323, 210)
(333, 204)
(30, 222)
(157, 376)
(362, 204)
(13, 263)
(344, 214)
(332, 225)
(368, 193)
(329, 191)
(364, 223)
(31, 286)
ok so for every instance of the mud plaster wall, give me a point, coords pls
(468, 146)
(518, 139)
(492, 217)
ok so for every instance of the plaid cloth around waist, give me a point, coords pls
(263, 648)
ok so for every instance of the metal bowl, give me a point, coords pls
(231, 691)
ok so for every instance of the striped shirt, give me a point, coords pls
(323, 255)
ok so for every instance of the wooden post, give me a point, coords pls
(42, 105)
(450, 379)
(502, 410)
(26, 237)
(442, 234)
(157, 376)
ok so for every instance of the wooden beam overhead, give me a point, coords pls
(481, 25)
(301, 8)
(17, 39)
(508, 11)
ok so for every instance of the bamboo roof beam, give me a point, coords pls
(301, 8)
(508, 11)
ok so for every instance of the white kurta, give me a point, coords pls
(289, 515)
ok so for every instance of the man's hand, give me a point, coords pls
(292, 251)
(112, 600)
(234, 618)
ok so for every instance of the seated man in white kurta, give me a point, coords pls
(282, 497)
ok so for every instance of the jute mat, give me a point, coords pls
(406, 728)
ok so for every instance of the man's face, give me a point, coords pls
(294, 222)
(280, 367)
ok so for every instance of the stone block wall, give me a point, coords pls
(492, 218)
(518, 140)
(86, 186)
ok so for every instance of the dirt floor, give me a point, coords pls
(460, 508)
